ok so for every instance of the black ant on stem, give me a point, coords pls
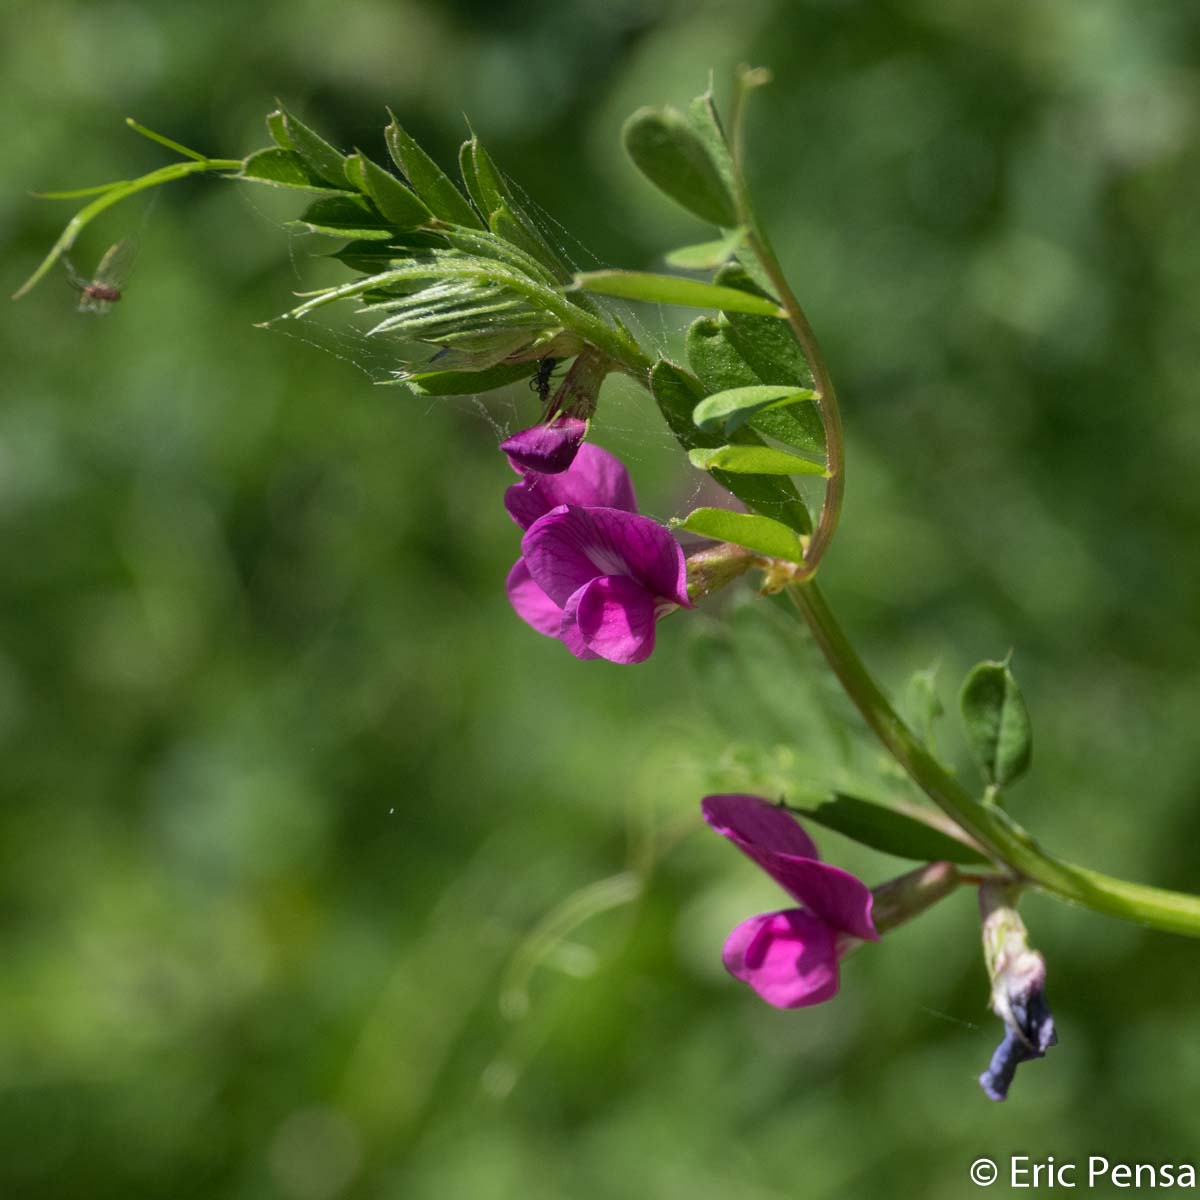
(541, 380)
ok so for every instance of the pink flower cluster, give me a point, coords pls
(593, 572)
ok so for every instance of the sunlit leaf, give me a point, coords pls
(674, 289)
(673, 156)
(733, 408)
(754, 460)
(751, 530)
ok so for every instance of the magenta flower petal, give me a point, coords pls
(570, 637)
(751, 821)
(535, 608)
(595, 479)
(789, 958)
(614, 617)
(571, 546)
(837, 897)
(770, 837)
(546, 449)
(532, 605)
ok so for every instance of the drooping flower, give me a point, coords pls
(593, 572)
(1018, 977)
(546, 449)
(790, 958)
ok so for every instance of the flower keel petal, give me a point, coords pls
(615, 618)
(789, 958)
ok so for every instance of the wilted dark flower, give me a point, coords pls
(1018, 975)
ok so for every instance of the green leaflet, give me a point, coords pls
(402, 208)
(754, 460)
(888, 830)
(768, 347)
(346, 217)
(674, 157)
(484, 201)
(755, 532)
(277, 128)
(706, 256)
(290, 133)
(503, 214)
(737, 406)
(997, 722)
(428, 180)
(466, 383)
(675, 289)
(372, 256)
(704, 122)
(285, 168)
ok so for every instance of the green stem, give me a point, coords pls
(1001, 837)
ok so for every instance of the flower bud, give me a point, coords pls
(713, 567)
(909, 895)
(545, 449)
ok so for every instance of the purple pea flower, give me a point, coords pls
(593, 573)
(790, 958)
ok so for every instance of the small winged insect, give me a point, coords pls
(540, 382)
(99, 293)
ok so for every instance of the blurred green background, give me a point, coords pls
(289, 793)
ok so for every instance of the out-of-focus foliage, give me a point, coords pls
(286, 786)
